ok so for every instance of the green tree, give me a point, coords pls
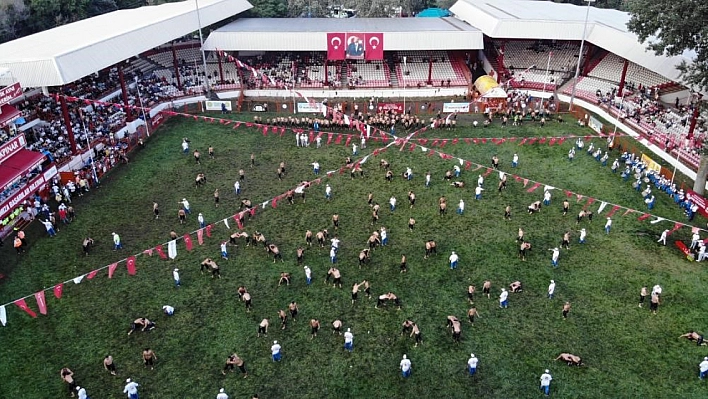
(672, 27)
(269, 8)
(13, 20)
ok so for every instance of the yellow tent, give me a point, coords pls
(488, 87)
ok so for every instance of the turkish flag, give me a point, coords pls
(614, 209)
(336, 47)
(92, 274)
(111, 270)
(58, 290)
(23, 305)
(208, 230)
(41, 302)
(188, 241)
(160, 252)
(130, 263)
(237, 218)
(374, 46)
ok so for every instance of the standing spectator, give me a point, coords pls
(222, 394)
(703, 368)
(82, 393)
(131, 388)
(503, 298)
(546, 382)
(237, 187)
(116, 242)
(515, 160)
(472, 364)
(662, 239)
(392, 202)
(200, 219)
(175, 276)
(316, 168)
(654, 305)
(608, 225)
(478, 192)
(275, 351)
(349, 340)
(554, 256)
(642, 295)
(50, 227)
(566, 310)
(405, 367)
(461, 207)
(308, 275)
(453, 260)
(551, 289)
(224, 250)
(328, 192)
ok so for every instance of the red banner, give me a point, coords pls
(112, 269)
(130, 264)
(336, 46)
(10, 93)
(374, 46)
(12, 146)
(200, 236)
(392, 107)
(41, 302)
(160, 252)
(188, 242)
(92, 274)
(698, 200)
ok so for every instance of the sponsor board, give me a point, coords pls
(11, 147)
(386, 107)
(699, 200)
(10, 93)
(595, 124)
(10, 204)
(651, 164)
(216, 105)
(308, 107)
(456, 107)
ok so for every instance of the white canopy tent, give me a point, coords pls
(69, 52)
(521, 19)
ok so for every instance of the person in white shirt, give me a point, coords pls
(409, 173)
(703, 368)
(551, 289)
(237, 187)
(547, 198)
(82, 393)
(384, 236)
(405, 367)
(316, 167)
(453, 260)
(185, 146)
(701, 252)
(297, 139)
(478, 192)
(222, 394)
(168, 310)
(335, 243)
(608, 226)
(200, 219)
(328, 192)
(131, 388)
(695, 238)
(349, 340)
(480, 181)
(457, 170)
(355, 149)
(546, 382)
(554, 256)
(224, 251)
(318, 140)
(175, 276)
(50, 227)
(363, 142)
(275, 351)
(308, 275)
(664, 234)
(656, 290)
(583, 234)
(333, 255)
(116, 242)
(472, 364)
(461, 207)
(392, 202)
(185, 205)
(427, 179)
(503, 297)
(515, 161)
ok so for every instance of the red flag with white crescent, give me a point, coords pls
(188, 242)
(130, 264)
(23, 305)
(58, 290)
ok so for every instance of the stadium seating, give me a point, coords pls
(417, 68)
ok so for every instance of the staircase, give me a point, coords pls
(344, 74)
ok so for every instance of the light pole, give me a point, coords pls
(403, 77)
(140, 99)
(201, 42)
(580, 55)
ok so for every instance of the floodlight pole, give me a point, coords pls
(140, 99)
(403, 77)
(580, 56)
(201, 42)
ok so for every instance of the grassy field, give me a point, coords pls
(629, 352)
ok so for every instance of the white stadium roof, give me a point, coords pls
(310, 34)
(520, 19)
(70, 52)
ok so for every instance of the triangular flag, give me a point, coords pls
(468, 165)
(522, 142)
(644, 216)
(602, 207)
(349, 140)
(526, 181)
(112, 269)
(552, 141)
(41, 302)
(329, 137)
(589, 202)
(58, 290)
(657, 220)
(208, 230)
(274, 203)
(200, 236)
(148, 251)
(579, 197)
(238, 218)
(613, 210)
(627, 212)
(534, 187)
(3, 315)
(677, 225)
(338, 140)
(188, 242)
(160, 251)
(23, 305)
(130, 265)
(252, 212)
(92, 274)
(695, 229)
(226, 222)
(568, 193)
(265, 203)
(79, 279)
(172, 248)
(489, 170)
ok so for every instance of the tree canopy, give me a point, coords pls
(673, 26)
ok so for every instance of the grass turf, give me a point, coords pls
(629, 352)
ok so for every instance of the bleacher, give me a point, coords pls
(369, 73)
(610, 69)
(417, 65)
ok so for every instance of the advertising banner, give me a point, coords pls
(651, 164)
(355, 46)
(12, 147)
(698, 200)
(386, 107)
(10, 93)
(309, 107)
(595, 124)
(456, 107)
(216, 105)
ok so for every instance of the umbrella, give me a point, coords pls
(20, 121)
